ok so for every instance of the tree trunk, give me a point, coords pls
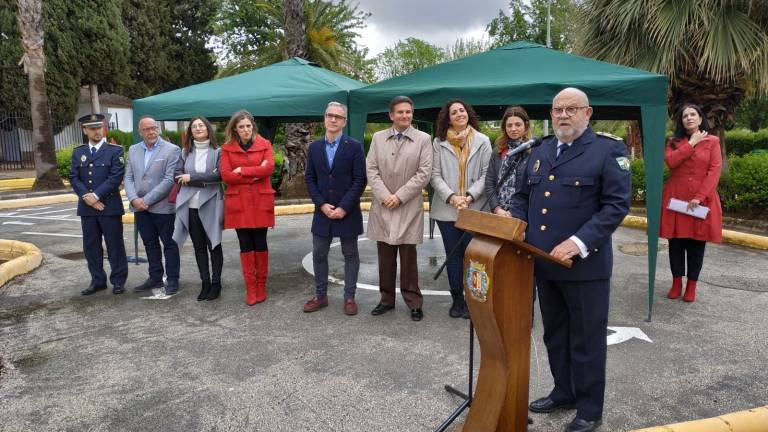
(297, 135)
(30, 24)
(95, 105)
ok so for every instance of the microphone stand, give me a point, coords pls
(450, 389)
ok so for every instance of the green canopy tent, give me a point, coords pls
(294, 90)
(528, 74)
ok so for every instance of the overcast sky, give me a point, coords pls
(439, 22)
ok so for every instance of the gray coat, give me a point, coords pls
(445, 176)
(211, 200)
(154, 183)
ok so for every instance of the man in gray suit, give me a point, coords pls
(148, 180)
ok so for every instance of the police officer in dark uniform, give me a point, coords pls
(97, 170)
(575, 193)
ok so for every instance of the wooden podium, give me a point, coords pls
(498, 286)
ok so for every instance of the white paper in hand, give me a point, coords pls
(681, 206)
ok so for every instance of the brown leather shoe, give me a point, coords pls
(350, 307)
(315, 304)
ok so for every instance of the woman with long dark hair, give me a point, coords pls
(247, 162)
(199, 205)
(460, 155)
(505, 173)
(694, 159)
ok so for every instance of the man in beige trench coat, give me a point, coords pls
(399, 165)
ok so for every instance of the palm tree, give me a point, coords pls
(713, 51)
(31, 26)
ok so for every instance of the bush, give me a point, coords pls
(742, 141)
(277, 174)
(64, 160)
(123, 139)
(745, 188)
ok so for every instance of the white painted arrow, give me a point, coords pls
(623, 334)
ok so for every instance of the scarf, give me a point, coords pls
(510, 165)
(462, 144)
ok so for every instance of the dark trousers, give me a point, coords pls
(320, 247)
(409, 274)
(202, 245)
(154, 228)
(111, 229)
(682, 248)
(575, 318)
(252, 239)
(454, 266)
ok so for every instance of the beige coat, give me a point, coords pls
(401, 167)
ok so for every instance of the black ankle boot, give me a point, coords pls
(215, 291)
(205, 291)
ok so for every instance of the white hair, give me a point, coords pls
(337, 104)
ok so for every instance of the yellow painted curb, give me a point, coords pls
(753, 420)
(21, 258)
(731, 237)
(36, 201)
(21, 183)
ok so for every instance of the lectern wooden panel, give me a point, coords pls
(498, 270)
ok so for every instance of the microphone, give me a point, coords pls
(533, 142)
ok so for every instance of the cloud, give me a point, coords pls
(437, 22)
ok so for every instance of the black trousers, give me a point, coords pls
(682, 248)
(252, 239)
(202, 246)
(575, 318)
(110, 228)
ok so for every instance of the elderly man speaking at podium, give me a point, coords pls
(575, 192)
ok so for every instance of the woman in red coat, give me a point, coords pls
(249, 201)
(694, 159)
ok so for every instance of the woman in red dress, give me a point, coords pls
(694, 159)
(249, 202)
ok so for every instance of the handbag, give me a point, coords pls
(173, 193)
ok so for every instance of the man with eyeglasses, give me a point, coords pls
(148, 180)
(335, 178)
(575, 193)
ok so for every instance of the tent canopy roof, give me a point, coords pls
(524, 73)
(292, 89)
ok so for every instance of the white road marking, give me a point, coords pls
(33, 209)
(49, 218)
(52, 234)
(52, 211)
(623, 334)
(18, 223)
(306, 262)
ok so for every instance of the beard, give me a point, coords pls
(569, 134)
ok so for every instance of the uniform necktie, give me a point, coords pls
(561, 149)
(93, 151)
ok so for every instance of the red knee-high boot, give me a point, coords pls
(262, 271)
(677, 288)
(248, 263)
(690, 291)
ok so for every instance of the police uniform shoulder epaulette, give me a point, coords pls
(78, 146)
(610, 135)
(114, 144)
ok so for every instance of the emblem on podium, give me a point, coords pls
(477, 281)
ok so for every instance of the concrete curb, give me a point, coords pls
(753, 420)
(732, 237)
(22, 258)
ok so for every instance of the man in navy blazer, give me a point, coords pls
(96, 172)
(335, 178)
(575, 193)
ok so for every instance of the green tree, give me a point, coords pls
(252, 35)
(528, 21)
(191, 27)
(466, 47)
(712, 50)
(407, 56)
(753, 113)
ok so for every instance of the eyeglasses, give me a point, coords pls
(197, 126)
(569, 111)
(149, 129)
(330, 116)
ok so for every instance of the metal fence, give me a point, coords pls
(16, 147)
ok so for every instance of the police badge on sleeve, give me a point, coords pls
(623, 163)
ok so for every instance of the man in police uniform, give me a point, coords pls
(575, 193)
(97, 170)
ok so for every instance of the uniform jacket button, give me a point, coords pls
(551, 177)
(544, 211)
(543, 227)
(546, 194)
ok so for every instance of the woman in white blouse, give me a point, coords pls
(199, 203)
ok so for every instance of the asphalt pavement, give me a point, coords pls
(138, 363)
